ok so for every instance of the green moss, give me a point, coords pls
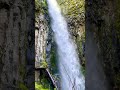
(117, 19)
(117, 30)
(83, 70)
(22, 71)
(53, 60)
(117, 79)
(73, 9)
(22, 86)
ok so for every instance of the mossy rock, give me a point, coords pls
(22, 86)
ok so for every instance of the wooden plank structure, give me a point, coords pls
(48, 75)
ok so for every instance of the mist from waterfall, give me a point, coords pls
(69, 63)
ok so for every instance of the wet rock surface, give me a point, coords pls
(102, 30)
(17, 41)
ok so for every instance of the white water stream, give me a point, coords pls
(69, 63)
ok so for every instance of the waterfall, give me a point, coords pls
(69, 63)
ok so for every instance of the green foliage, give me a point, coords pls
(38, 6)
(41, 6)
(44, 64)
(43, 84)
(38, 86)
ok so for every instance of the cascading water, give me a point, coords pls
(69, 65)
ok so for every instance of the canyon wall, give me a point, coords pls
(17, 45)
(102, 45)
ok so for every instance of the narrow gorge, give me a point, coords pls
(60, 45)
(86, 29)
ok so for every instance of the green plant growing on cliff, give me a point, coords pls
(38, 86)
(22, 86)
(40, 7)
(22, 71)
(44, 64)
(73, 8)
(43, 84)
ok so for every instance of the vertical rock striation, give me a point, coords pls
(16, 44)
(102, 45)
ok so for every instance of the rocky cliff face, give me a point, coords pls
(43, 35)
(102, 39)
(40, 40)
(45, 45)
(16, 44)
